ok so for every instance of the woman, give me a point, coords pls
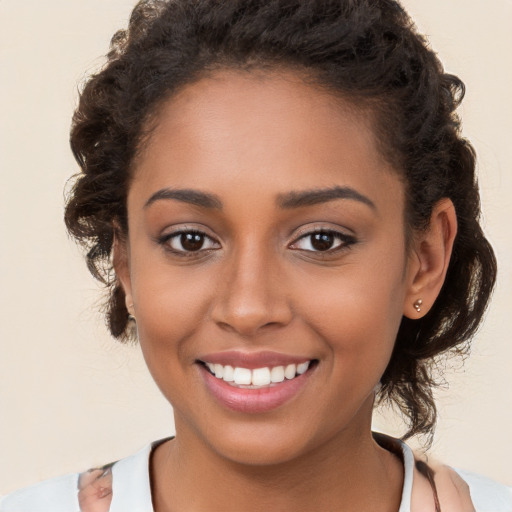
(279, 199)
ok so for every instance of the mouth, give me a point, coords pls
(245, 385)
(257, 378)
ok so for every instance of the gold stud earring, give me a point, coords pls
(417, 305)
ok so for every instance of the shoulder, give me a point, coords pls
(90, 491)
(487, 494)
(464, 491)
(117, 487)
(56, 495)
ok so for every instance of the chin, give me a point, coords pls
(260, 448)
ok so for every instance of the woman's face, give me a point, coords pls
(265, 231)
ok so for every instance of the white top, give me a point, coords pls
(131, 491)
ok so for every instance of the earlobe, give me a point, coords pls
(122, 269)
(430, 257)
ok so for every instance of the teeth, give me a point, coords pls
(302, 368)
(242, 376)
(277, 374)
(290, 371)
(259, 377)
(219, 371)
(229, 374)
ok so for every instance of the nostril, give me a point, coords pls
(250, 304)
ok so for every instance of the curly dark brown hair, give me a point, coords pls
(366, 51)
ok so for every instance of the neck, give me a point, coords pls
(349, 472)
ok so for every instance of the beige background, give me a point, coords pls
(69, 396)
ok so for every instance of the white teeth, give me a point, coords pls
(229, 374)
(219, 371)
(302, 368)
(277, 374)
(242, 375)
(290, 371)
(261, 377)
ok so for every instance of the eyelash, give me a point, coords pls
(345, 241)
(166, 239)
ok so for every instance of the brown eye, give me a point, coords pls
(189, 241)
(322, 241)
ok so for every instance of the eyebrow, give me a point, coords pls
(286, 201)
(194, 197)
(323, 195)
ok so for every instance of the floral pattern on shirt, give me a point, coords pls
(95, 489)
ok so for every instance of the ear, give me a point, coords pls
(429, 259)
(121, 261)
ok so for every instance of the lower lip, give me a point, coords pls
(253, 400)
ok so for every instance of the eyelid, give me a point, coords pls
(176, 229)
(346, 239)
(166, 237)
(312, 227)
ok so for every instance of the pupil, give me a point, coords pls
(192, 241)
(322, 241)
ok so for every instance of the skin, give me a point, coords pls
(258, 284)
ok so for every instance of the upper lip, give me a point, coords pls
(252, 360)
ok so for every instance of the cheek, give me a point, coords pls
(171, 307)
(357, 312)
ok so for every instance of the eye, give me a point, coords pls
(323, 241)
(189, 241)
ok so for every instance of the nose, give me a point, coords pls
(252, 294)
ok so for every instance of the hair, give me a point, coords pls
(366, 51)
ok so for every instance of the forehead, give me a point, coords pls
(261, 130)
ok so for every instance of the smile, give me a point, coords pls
(259, 377)
(255, 383)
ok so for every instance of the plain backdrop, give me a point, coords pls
(71, 397)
